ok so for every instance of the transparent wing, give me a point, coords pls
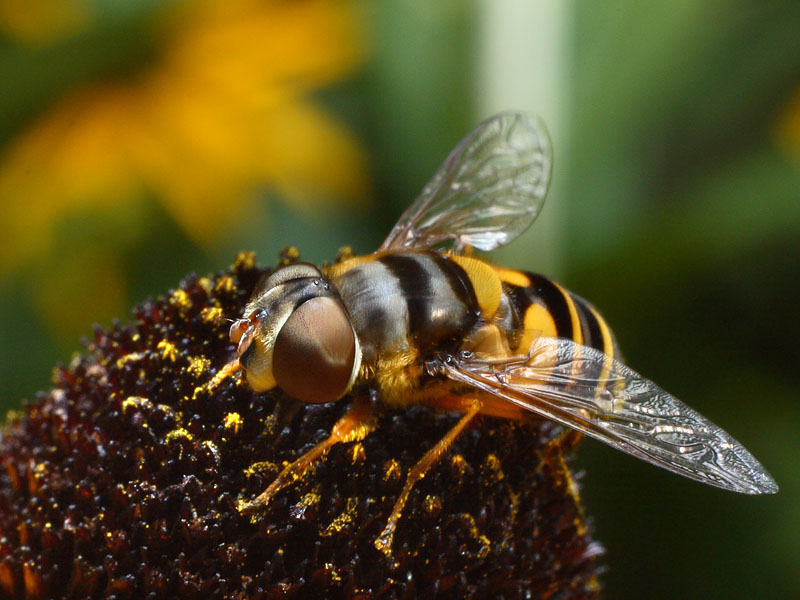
(586, 390)
(487, 192)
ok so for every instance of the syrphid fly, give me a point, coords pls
(424, 321)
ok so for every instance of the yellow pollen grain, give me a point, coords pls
(212, 448)
(484, 541)
(180, 432)
(168, 350)
(260, 467)
(233, 420)
(271, 424)
(343, 520)
(357, 453)
(13, 415)
(432, 504)
(245, 260)
(205, 283)
(335, 576)
(168, 410)
(225, 284)
(198, 365)
(486, 546)
(492, 468)
(180, 299)
(131, 357)
(289, 255)
(459, 464)
(135, 402)
(211, 314)
(310, 499)
(391, 470)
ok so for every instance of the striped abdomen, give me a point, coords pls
(403, 300)
(431, 301)
(544, 308)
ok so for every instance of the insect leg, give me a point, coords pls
(471, 406)
(354, 426)
(225, 372)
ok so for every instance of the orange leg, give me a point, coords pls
(354, 426)
(418, 471)
(225, 372)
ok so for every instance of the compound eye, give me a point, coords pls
(315, 351)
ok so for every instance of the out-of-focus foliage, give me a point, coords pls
(207, 104)
(244, 125)
(684, 228)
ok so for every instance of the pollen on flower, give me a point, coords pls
(168, 350)
(289, 255)
(432, 504)
(392, 471)
(177, 434)
(491, 468)
(234, 421)
(135, 402)
(198, 365)
(458, 464)
(132, 357)
(357, 453)
(180, 299)
(211, 314)
(343, 520)
(206, 284)
(225, 284)
(260, 467)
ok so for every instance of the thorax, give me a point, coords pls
(406, 301)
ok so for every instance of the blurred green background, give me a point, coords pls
(141, 141)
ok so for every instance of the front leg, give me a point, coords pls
(354, 426)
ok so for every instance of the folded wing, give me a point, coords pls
(586, 390)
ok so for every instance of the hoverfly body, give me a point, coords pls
(422, 321)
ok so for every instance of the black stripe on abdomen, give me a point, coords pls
(434, 295)
(592, 335)
(415, 283)
(545, 292)
(459, 282)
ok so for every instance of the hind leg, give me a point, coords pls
(354, 426)
(471, 407)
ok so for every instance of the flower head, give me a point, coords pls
(123, 482)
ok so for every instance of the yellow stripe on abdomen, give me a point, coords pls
(485, 283)
(577, 333)
(609, 346)
(538, 322)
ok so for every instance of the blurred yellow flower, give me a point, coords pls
(42, 20)
(223, 108)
